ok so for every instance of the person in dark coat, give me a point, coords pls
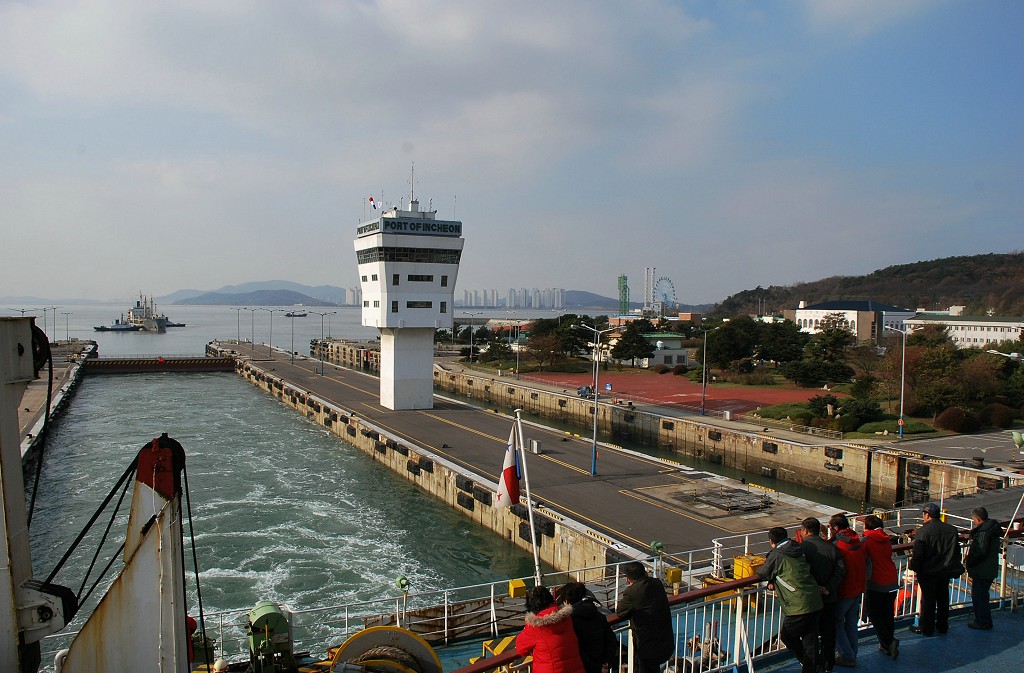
(788, 573)
(829, 570)
(883, 582)
(548, 635)
(936, 560)
(598, 646)
(645, 604)
(983, 565)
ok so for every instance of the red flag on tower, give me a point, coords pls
(373, 203)
(508, 483)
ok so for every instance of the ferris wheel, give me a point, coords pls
(664, 291)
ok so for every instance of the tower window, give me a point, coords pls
(444, 307)
(420, 278)
(394, 307)
(394, 278)
(364, 279)
(373, 277)
(444, 281)
(419, 304)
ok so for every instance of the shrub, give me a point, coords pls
(997, 415)
(802, 418)
(742, 366)
(660, 369)
(848, 423)
(696, 373)
(679, 370)
(865, 410)
(910, 428)
(819, 405)
(758, 378)
(958, 420)
(781, 411)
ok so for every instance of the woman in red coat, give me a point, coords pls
(549, 635)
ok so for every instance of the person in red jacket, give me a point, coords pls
(549, 635)
(883, 582)
(851, 590)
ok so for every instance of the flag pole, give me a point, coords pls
(529, 501)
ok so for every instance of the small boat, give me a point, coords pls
(171, 323)
(295, 314)
(119, 325)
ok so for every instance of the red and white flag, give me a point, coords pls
(373, 203)
(508, 483)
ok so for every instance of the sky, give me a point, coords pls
(726, 144)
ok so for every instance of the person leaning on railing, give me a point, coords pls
(828, 570)
(935, 561)
(788, 573)
(983, 565)
(645, 604)
(883, 582)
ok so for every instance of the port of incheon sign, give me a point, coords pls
(387, 225)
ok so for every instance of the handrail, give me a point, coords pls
(510, 656)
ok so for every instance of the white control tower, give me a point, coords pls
(408, 261)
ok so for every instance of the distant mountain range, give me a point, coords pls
(255, 298)
(982, 283)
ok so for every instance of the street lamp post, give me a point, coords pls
(704, 372)
(516, 321)
(238, 324)
(597, 367)
(252, 328)
(270, 341)
(471, 330)
(320, 348)
(293, 336)
(67, 327)
(903, 372)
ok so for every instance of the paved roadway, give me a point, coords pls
(995, 447)
(634, 499)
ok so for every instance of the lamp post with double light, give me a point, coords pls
(270, 341)
(252, 328)
(322, 314)
(238, 324)
(704, 372)
(67, 326)
(903, 372)
(597, 367)
(472, 330)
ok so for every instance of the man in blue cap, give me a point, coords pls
(936, 560)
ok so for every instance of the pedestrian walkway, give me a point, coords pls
(962, 650)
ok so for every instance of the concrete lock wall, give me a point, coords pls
(875, 477)
(563, 544)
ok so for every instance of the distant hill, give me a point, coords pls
(255, 298)
(982, 283)
(326, 295)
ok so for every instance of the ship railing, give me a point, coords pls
(734, 624)
(733, 616)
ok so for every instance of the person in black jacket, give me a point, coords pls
(645, 604)
(598, 646)
(983, 565)
(936, 560)
(828, 570)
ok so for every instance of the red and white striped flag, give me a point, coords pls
(508, 483)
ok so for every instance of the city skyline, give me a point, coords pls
(163, 145)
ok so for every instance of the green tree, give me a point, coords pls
(832, 340)
(733, 340)
(782, 342)
(543, 348)
(632, 344)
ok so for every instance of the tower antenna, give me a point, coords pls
(412, 182)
